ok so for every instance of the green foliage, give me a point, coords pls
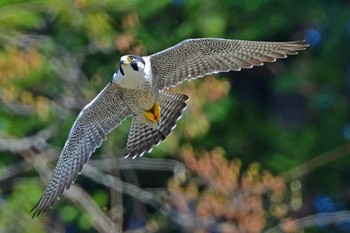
(14, 214)
(84, 222)
(101, 198)
(69, 213)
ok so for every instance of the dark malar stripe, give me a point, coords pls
(134, 66)
(121, 69)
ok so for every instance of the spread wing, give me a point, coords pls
(91, 127)
(195, 58)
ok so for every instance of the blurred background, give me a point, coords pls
(261, 150)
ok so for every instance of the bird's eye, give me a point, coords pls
(131, 59)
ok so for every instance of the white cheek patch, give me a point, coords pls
(129, 76)
(141, 65)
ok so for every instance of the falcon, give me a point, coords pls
(138, 89)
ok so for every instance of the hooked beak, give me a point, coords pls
(124, 62)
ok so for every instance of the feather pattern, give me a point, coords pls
(195, 58)
(137, 86)
(142, 137)
(91, 127)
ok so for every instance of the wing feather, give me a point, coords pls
(91, 127)
(195, 58)
(142, 138)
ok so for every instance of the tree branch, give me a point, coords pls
(317, 162)
(37, 141)
(77, 195)
(132, 190)
(178, 168)
(313, 220)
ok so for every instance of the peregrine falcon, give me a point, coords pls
(138, 89)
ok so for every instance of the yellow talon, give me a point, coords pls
(150, 116)
(154, 113)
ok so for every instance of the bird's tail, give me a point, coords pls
(142, 137)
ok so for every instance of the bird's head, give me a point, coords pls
(131, 62)
(130, 71)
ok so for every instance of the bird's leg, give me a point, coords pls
(153, 114)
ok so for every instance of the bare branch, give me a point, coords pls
(83, 200)
(317, 162)
(130, 189)
(37, 141)
(18, 108)
(13, 170)
(313, 220)
(116, 212)
(77, 195)
(178, 168)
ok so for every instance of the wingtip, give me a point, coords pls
(297, 43)
(36, 212)
(301, 43)
(42, 206)
(304, 45)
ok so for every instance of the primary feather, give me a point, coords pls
(138, 85)
(91, 127)
(195, 58)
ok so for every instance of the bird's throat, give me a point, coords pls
(153, 114)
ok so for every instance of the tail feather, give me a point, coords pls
(142, 137)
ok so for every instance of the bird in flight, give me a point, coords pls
(138, 89)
